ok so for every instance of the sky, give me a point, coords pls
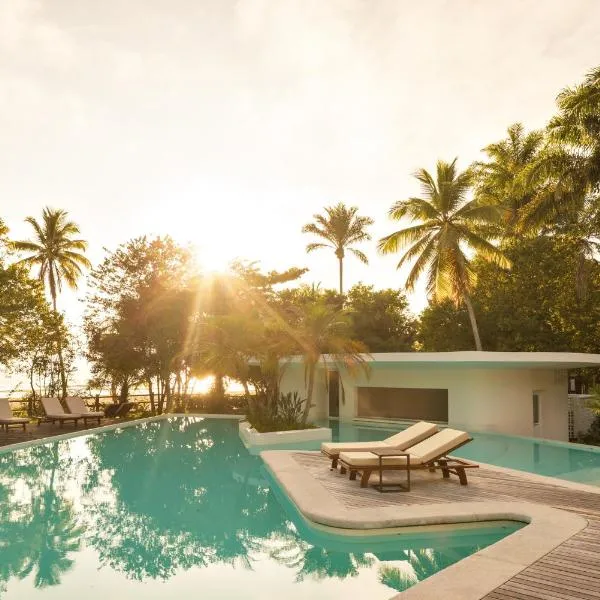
(229, 123)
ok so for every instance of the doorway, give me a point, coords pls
(333, 385)
(536, 406)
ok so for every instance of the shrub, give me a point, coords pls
(282, 415)
(593, 433)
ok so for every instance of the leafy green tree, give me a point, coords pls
(534, 307)
(444, 327)
(340, 228)
(31, 333)
(58, 255)
(571, 161)
(504, 180)
(380, 319)
(446, 224)
(137, 316)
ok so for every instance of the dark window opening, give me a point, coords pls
(403, 403)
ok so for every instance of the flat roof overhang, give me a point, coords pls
(481, 359)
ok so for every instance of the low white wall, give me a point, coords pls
(251, 437)
(480, 399)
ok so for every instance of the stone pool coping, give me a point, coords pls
(469, 579)
(251, 437)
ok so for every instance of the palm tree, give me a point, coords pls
(340, 227)
(504, 179)
(321, 331)
(58, 256)
(448, 225)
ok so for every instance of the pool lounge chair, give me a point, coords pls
(6, 416)
(431, 453)
(118, 410)
(77, 406)
(55, 412)
(400, 441)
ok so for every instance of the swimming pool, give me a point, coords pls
(556, 459)
(178, 508)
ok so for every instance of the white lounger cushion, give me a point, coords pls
(337, 447)
(402, 440)
(412, 435)
(76, 405)
(53, 409)
(6, 415)
(437, 445)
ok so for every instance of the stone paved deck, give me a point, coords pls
(45, 430)
(570, 572)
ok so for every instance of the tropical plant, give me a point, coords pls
(448, 225)
(58, 255)
(340, 227)
(571, 160)
(504, 180)
(322, 333)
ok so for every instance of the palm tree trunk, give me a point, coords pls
(341, 261)
(61, 362)
(309, 392)
(473, 320)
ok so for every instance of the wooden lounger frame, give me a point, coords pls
(447, 464)
(5, 424)
(61, 419)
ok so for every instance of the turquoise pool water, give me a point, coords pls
(179, 509)
(566, 461)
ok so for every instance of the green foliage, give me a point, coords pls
(534, 307)
(446, 223)
(284, 415)
(444, 327)
(59, 257)
(340, 228)
(138, 317)
(380, 319)
(32, 335)
(592, 435)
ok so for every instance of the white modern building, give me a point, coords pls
(518, 393)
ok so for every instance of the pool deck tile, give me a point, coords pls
(556, 557)
(46, 430)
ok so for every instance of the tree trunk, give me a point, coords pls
(61, 363)
(169, 394)
(31, 402)
(219, 386)
(151, 396)
(124, 393)
(473, 320)
(341, 262)
(309, 392)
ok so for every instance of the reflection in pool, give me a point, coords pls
(179, 506)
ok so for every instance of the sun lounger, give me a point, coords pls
(400, 441)
(55, 412)
(6, 416)
(118, 410)
(431, 453)
(77, 406)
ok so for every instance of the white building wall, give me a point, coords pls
(479, 399)
(294, 380)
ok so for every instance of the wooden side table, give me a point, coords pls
(392, 487)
